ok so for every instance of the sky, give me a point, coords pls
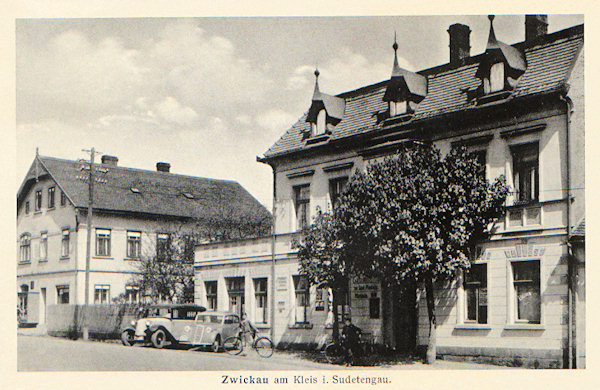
(208, 95)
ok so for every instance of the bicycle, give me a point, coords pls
(234, 345)
(335, 353)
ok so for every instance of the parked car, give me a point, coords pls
(184, 325)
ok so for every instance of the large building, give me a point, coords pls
(134, 212)
(520, 107)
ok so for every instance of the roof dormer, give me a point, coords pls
(325, 111)
(500, 67)
(405, 89)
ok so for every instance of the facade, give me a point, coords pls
(521, 109)
(134, 213)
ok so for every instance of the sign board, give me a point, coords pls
(365, 287)
(483, 297)
(282, 283)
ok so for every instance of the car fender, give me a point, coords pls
(128, 328)
(153, 328)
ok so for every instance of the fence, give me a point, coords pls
(103, 321)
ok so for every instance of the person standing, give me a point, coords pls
(351, 341)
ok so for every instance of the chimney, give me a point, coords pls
(460, 48)
(110, 160)
(163, 167)
(535, 26)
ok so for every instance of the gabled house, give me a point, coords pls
(134, 213)
(520, 107)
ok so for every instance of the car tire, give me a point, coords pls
(127, 337)
(216, 345)
(158, 338)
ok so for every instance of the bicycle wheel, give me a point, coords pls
(233, 345)
(334, 353)
(264, 347)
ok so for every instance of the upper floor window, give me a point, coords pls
(63, 198)
(481, 157)
(38, 200)
(102, 242)
(25, 248)
(162, 246)
(27, 208)
(526, 172)
(336, 187)
(134, 245)
(43, 246)
(398, 108)
(65, 243)
(320, 125)
(527, 298)
(475, 286)
(302, 203)
(51, 192)
(495, 82)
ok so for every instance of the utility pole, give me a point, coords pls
(88, 247)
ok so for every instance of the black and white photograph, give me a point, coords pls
(341, 197)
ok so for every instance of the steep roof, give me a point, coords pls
(122, 189)
(579, 230)
(549, 63)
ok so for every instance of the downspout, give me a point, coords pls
(273, 257)
(570, 272)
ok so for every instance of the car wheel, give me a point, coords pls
(216, 345)
(158, 338)
(127, 337)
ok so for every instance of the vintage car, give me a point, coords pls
(184, 325)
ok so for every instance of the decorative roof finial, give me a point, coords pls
(316, 93)
(395, 45)
(492, 41)
(395, 67)
(491, 18)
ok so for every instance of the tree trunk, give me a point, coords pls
(336, 325)
(431, 346)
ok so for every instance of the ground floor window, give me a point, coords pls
(211, 295)
(101, 294)
(132, 294)
(302, 296)
(62, 295)
(235, 289)
(475, 286)
(527, 298)
(374, 303)
(260, 294)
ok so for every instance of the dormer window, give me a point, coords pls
(325, 112)
(320, 125)
(495, 82)
(398, 108)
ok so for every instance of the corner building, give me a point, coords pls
(520, 108)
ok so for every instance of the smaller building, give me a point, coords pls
(134, 213)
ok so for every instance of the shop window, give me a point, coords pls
(102, 242)
(38, 200)
(526, 172)
(43, 246)
(302, 203)
(475, 286)
(302, 297)
(336, 188)
(65, 243)
(211, 295)
(101, 294)
(51, 192)
(526, 281)
(62, 295)
(25, 248)
(134, 245)
(260, 295)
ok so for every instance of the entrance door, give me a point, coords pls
(236, 303)
(405, 319)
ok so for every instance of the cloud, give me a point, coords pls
(345, 72)
(172, 111)
(276, 121)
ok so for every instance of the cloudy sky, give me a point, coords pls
(208, 95)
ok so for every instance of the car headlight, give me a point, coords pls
(132, 322)
(147, 323)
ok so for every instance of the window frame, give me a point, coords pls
(211, 294)
(61, 291)
(135, 294)
(103, 238)
(63, 198)
(163, 241)
(515, 293)
(38, 201)
(302, 206)
(27, 207)
(25, 248)
(476, 286)
(43, 246)
(51, 197)
(521, 170)
(261, 295)
(134, 244)
(301, 294)
(337, 187)
(65, 243)
(99, 298)
(397, 108)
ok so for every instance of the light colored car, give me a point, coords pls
(185, 324)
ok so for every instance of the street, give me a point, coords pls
(44, 353)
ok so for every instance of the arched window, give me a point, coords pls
(495, 82)
(25, 248)
(320, 125)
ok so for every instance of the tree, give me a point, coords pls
(319, 254)
(416, 218)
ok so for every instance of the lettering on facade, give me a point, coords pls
(281, 306)
(282, 283)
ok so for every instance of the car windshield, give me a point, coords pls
(210, 319)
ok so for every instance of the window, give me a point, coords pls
(320, 299)
(481, 157)
(235, 289)
(320, 126)
(301, 290)
(25, 249)
(132, 294)
(38, 200)
(525, 172)
(398, 108)
(162, 246)
(526, 280)
(102, 242)
(62, 295)
(101, 294)
(27, 208)
(211, 295)
(374, 303)
(63, 198)
(475, 286)
(134, 245)
(43, 246)
(66, 237)
(51, 192)
(336, 187)
(495, 82)
(260, 294)
(302, 196)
